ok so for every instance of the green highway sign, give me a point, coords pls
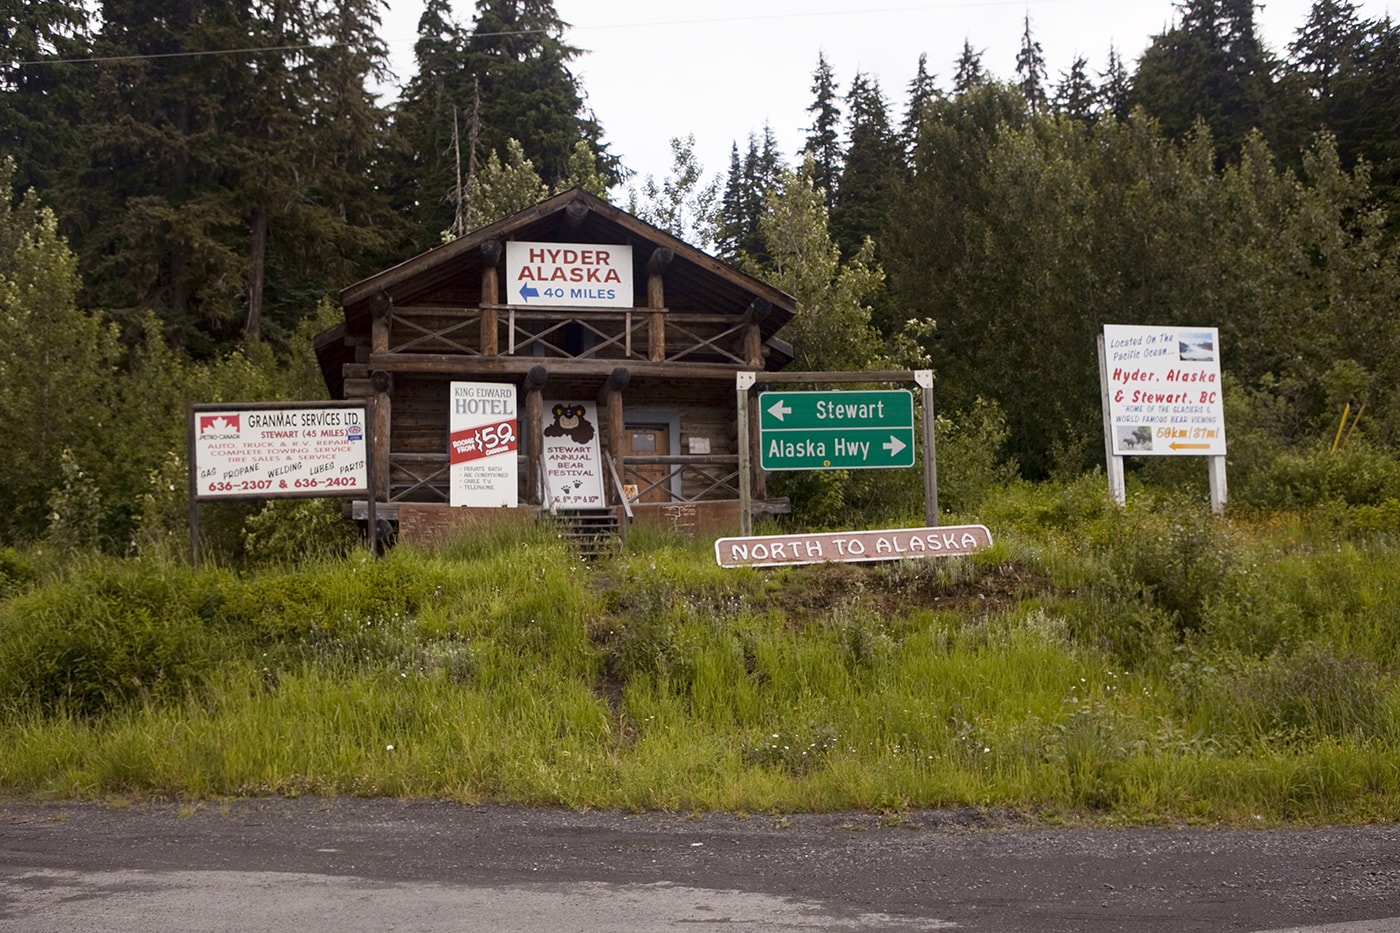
(836, 430)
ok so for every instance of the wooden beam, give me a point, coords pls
(574, 216)
(657, 264)
(438, 364)
(383, 384)
(381, 311)
(490, 295)
(533, 435)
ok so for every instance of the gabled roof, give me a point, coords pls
(693, 279)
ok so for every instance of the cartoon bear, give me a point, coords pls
(569, 421)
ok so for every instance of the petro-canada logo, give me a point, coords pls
(218, 427)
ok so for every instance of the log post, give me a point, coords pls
(759, 309)
(381, 313)
(533, 431)
(490, 295)
(610, 397)
(656, 301)
(383, 384)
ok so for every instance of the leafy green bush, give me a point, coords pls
(1172, 554)
(971, 460)
(107, 635)
(287, 531)
(1312, 693)
(1355, 475)
(17, 572)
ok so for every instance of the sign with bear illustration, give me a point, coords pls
(482, 445)
(572, 457)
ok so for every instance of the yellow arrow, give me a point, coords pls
(1190, 447)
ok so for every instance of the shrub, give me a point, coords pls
(17, 572)
(108, 635)
(1356, 475)
(1173, 554)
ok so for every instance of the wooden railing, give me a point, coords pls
(427, 477)
(703, 475)
(641, 334)
(419, 478)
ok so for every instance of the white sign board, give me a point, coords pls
(572, 457)
(268, 451)
(571, 275)
(482, 443)
(1164, 395)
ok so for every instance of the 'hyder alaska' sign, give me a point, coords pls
(568, 275)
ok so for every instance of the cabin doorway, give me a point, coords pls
(648, 440)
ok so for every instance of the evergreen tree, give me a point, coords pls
(1209, 67)
(741, 207)
(41, 97)
(1030, 71)
(1326, 45)
(1075, 95)
(823, 139)
(922, 92)
(226, 179)
(436, 153)
(968, 73)
(505, 78)
(873, 166)
(1115, 88)
(518, 56)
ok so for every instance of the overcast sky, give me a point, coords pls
(721, 69)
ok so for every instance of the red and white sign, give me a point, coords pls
(267, 451)
(1164, 390)
(570, 275)
(482, 445)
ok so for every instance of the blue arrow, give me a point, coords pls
(526, 292)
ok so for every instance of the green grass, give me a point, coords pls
(1152, 664)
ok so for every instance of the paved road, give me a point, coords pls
(323, 864)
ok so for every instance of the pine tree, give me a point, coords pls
(823, 139)
(968, 73)
(1210, 67)
(1075, 95)
(518, 55)
(922, 91)
(1115, 88)
(1030, 71)
(872, 169)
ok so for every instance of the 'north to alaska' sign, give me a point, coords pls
(570, 275)
(852, 546)
(836, 430)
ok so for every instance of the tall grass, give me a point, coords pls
(1155, 663)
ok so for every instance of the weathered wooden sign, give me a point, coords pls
(852, 546)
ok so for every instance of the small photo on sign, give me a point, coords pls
(1196, 347)
(1137, 438)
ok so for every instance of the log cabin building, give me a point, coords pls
(578, 307)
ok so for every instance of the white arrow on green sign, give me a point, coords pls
(836, 430)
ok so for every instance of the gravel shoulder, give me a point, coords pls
(927, 870)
